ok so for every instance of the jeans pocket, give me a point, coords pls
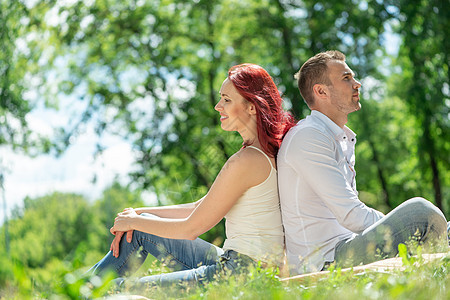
(235, 262)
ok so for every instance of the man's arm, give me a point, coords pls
(312, 154)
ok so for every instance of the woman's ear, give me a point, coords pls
(251, 109)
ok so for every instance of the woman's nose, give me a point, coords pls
(218, 106)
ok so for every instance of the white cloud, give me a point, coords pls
(72, 172)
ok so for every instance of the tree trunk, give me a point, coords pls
(380, 173)
(297, 107)
(430, 150)
(375, 157)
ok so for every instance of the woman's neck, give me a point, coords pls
(252, 142)
(249, 135)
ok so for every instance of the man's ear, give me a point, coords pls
(320, 91)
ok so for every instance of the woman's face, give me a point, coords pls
(233, 108)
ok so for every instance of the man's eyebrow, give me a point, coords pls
(348, 73)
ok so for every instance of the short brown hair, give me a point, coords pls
(314, 71)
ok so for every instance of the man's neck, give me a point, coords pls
(339, 119)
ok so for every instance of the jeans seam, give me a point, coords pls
(416, 228)
(126, 259)
(165, 250)
(420, 239)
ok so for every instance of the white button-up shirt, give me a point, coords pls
(318, 196)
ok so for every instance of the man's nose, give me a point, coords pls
(356, 84)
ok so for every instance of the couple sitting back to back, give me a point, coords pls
(323, 219)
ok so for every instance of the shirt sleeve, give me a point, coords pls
(313, 154)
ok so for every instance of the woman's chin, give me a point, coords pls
(225, 127)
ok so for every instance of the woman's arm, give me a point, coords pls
(243, 170)
(178, 211)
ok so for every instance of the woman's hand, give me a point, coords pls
(123, 220)
(129, 208)
(115, 245)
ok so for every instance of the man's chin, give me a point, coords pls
(356, 108)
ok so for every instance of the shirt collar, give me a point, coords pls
(337, 131)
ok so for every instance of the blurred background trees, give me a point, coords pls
(150, 71)
(13, 108)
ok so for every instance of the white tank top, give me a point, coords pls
(253, 225)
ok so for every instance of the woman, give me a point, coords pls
(245, 192)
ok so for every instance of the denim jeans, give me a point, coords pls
(193, 261)
(415, 219)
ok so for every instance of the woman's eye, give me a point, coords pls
(227, 100)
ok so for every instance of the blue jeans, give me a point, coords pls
(192, 261)
(415, 219)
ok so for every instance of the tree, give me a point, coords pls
(114, 200)
(424, 59)
(49, 227)
(149, 71)
(13, 108)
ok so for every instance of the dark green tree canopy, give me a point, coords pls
(149, 71)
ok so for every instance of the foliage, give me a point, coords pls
(13, 108)
(19, 64)
(59, 229)
(59, 220)
(113, 201)
(411, 284)
(56, 238)
(424, 81)
(421, 281)
(149, 71)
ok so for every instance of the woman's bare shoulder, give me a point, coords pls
(252, 163)
(248, 155)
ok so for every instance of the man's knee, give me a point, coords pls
(421, 206)
(422, 209)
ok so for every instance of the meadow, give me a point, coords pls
(418, 280)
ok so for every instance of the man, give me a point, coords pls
(323, 218)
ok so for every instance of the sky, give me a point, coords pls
(71, 172)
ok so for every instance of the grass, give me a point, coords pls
(418, 281)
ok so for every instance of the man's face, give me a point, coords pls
(344, 88)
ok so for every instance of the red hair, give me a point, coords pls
(258, 88)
